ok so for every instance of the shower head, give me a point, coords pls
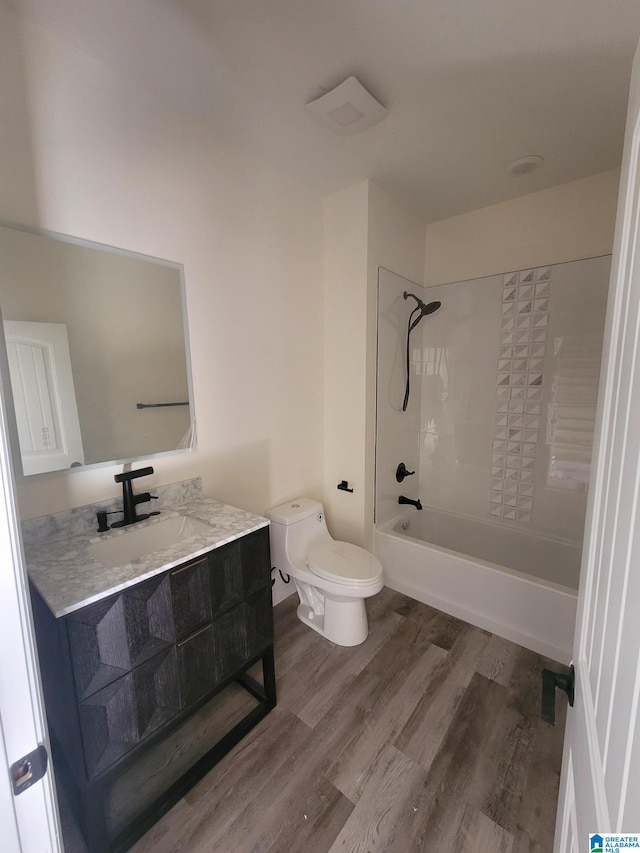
(430, 308)
(425, 309)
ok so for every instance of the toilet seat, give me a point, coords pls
(342, 562)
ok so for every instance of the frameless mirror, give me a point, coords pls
(96, 351)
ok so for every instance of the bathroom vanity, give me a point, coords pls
(145, 665)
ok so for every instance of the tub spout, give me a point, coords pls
(403, 500)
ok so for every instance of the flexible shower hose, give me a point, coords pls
(410, 328)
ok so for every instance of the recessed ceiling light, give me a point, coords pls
(347, 109)
(525, 165)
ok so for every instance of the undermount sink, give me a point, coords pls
(140, 541)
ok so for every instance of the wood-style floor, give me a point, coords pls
(426, 737)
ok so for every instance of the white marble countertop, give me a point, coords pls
(68, 577)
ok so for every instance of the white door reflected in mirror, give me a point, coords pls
(44, 396)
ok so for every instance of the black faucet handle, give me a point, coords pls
(127, 476)
(143, 497)
(401, 472)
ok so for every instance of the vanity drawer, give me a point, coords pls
(190, 597)
(220, 649)
(196, 666)
(117, 634)
(117, 718)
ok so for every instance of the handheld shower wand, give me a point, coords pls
(421, 310)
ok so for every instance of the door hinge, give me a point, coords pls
(565, 681)
(28, 769)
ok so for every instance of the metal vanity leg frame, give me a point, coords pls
(93, 798)
(266, 696)
(266, 693)
(269, 675)
(94, 795)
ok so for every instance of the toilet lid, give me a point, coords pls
(342, 561)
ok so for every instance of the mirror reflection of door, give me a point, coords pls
(44, 396)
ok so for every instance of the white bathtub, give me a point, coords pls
(533, 604)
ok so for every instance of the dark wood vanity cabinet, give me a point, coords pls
(147, 688)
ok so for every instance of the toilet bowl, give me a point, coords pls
(332, 578)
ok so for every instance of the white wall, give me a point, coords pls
(396, 244)
(397, 431)
(99, 159)
(564, 223)
(18, 196)
(365, 228)
(346, 216)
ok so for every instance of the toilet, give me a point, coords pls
(332, 578)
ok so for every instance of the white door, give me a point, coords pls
(28, 821)
(600, 785)
(44, 396)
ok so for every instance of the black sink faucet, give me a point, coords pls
(403, 500)
(129, 500)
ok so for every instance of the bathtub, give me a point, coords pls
(427, 555)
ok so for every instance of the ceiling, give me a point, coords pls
(470, 85)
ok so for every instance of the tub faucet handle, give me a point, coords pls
(401, 472)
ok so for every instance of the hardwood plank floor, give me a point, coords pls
(426, 737)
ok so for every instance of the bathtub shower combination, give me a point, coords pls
(498, 430)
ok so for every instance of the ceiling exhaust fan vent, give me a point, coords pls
(347, 109)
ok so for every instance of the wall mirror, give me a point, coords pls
(95, 352)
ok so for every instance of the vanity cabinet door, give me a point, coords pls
(117, 634)
(225, 574)
(190, 597)
(120, 716)
(196, 666)
(256, 563)
(258, 619)
(229, 638)
(239, 569)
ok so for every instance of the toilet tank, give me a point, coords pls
(294, 511)
(295, 526)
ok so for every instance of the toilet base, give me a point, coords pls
(343, 621)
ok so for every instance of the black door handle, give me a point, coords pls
(550, 680)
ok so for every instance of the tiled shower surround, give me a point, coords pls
(521, 361)
(503, 381)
